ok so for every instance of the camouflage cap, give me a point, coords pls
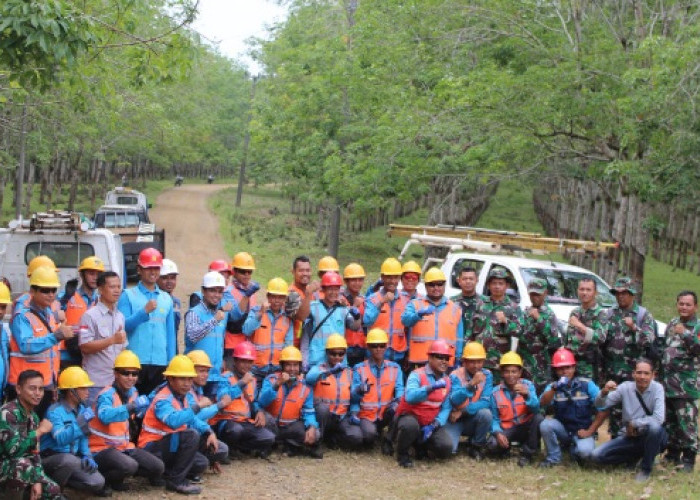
(537, 285)
(624, 284)
(497, 272)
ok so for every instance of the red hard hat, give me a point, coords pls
(150, 257)
(563, 357)
(244, 350)
(440, 346)
(219, 265)
(331, 279)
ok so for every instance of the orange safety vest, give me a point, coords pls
(75, 308)
(334, 390)
(232, 339)
(153, 429)
(461, 374)
(389, 320)
(287, 409)
(511, 412)
(269, 339)
(298, 324)
(45, 362)
(238, 409)
(381, 393)
(114, 435)
(441, 324)
(357, 338)
(425, 411)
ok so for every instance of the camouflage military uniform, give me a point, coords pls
(19, 452)
(472, 314)
(586, 346)
(538, 340)
(496, 337)
(680, 379)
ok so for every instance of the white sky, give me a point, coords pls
(228, 23)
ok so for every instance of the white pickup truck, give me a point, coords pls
(64, 238)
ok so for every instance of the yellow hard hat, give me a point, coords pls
(336, 341)
(391, 267)
(328, 263)
(377, 336)
(353, 270)
(243, 260)
(411, 267)
(290, 353)
(39, 261)
(92, 264)
(5, 296)
(74, 377)
(180, 366)
(45, 276)
(511, 358)
(277, 286)
(199, 358)
(127, 359)
(434, 274)
(473, 350)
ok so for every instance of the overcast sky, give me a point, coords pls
(228, 23)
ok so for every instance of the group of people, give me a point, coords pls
(97, 390)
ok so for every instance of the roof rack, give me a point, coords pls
(57, 221)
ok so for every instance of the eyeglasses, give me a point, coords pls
(336, 353)
(47, 291)
(127, 373)
(435, 284)
(376, 346)
(243, 271)
(442, 357)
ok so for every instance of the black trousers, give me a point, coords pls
(150, 377)
(116, 465)
(371, 430)
(528, 434)
(183, 460)
(338, 428)
(293, 435)
(245, 436)
(408, 433)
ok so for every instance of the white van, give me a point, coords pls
(60, 236)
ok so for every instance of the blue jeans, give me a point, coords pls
(625, 449)
(474, 426)
(555, 436)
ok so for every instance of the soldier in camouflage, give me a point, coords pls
(472, 303)
(540, 335)
(630, 336)
(680, 378)
(20, 430)
(587, 331)
(503, 321)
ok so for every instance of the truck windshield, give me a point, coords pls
(562, 285)
(63, 254)
(127, 200)
(119, 219)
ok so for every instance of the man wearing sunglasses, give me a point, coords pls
(36, 335)
(431, 318)
(115, 411)
(332, 384)
(103, 336)
(425, 408)
(377, 387)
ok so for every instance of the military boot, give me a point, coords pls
(688, 461)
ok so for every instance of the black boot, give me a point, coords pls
(672, 457)
(688, 460)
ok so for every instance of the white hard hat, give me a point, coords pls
(213, 279)
(169, 267)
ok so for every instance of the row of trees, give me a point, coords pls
(592, 102)
(93, 90)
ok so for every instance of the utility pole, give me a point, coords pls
(246, 142)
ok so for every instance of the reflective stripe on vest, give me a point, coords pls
(425, 411)
(238, 409)
(357, 338)
(511, 412)
(232, 339)
(45, 362)
(153, 429)
(75, 308)
(374, 402)
(269, 339)
(287, 409)
(441, 324)
(334, 391)
(461, 373)
(113, 435)
(389, 320)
